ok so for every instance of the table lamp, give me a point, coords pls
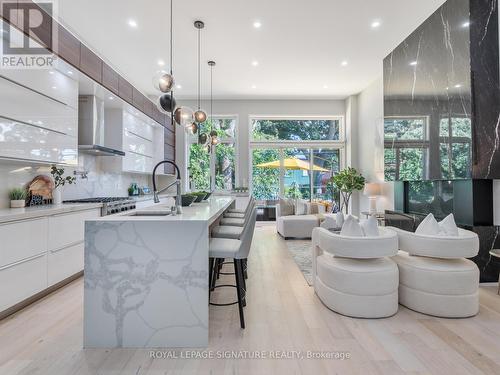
(372, 190)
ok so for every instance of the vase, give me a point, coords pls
(17, 203)
(57, 196)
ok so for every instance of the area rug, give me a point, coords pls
(302, 255)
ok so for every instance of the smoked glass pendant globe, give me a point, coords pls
(184, 116)
(163, 81)
(192, 129)
(200, 116)
(166, 103)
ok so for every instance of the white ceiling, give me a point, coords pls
(299, 47)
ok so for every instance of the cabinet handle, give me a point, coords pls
(66, 246)
(22, 261)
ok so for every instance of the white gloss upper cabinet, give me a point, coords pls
(24, 105)
(22, 141)
(137, 126)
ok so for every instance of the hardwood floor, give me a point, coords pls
(282, 314)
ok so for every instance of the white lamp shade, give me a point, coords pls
(372, 189)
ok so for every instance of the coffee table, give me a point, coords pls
(496, 253)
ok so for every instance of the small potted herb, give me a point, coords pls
(17, 197)
(59, 181)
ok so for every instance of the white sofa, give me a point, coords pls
(434, 276)
(296, 226)
(354, 276)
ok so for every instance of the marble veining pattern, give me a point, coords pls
(146, 284)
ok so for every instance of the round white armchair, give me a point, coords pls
(354, 276)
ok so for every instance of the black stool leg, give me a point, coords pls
(238, 273)
(245, 268)
(210, 275)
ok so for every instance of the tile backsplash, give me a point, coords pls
(99, 182)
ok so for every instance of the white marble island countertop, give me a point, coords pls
(206, 211)
(146, 278)
(14, 214)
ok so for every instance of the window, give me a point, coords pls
(455, 147)
(295, 129)
(220, 162)
(405, 148)
(295, 157)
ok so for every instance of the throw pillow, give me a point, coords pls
(314, 209)
(329, 223)
(287, 207)
(448, 226)
(370, 227)
(351, 228)
(301, 206)
(429, 226)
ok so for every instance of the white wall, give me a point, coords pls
(245, 108)
(370, 143)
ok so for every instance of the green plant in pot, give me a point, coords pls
(346, 182)
(59, 181)
(199, 196)
(18, 197)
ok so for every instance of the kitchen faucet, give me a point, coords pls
(178, 199)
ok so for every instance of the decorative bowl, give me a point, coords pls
(187, 199)
(199, 196)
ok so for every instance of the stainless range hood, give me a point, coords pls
(91, 134)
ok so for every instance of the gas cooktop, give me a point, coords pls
(111, 205)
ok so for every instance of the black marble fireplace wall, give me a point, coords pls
(442, 122)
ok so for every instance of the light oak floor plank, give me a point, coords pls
(283, 316)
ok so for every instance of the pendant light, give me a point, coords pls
(214, 139)
(164, 81)
(200, 115)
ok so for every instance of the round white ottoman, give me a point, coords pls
(360, 288)
(440, 287)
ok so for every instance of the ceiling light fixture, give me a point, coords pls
(466, 24)
(254, 86)
(457, 86)
(376, 24)
(325, 86)
(111, 98)
(161, 62)
(344, 63)
(200, 115)
(178, 87)
(132, 23)
(413, 63)
(70, 72)
(255, 63)
(257, 24)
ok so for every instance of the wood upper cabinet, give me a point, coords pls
(137, 99)
(90, 63)
(67, 46)
(110, 79)
(169, 137)
(125, 90)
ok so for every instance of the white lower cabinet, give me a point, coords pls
(38, 253)
(65, 262)
(22, 280)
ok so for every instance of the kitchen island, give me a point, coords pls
(146, 277)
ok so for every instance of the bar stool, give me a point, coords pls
(233, 231)
(241, 210)
(237, 250)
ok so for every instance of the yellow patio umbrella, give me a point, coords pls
(292, 163)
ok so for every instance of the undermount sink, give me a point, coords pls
(150, 213)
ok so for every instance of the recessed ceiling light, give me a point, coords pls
(178, 86)
(376, 24)
(325, 86)
(161, 62)
(51, 72)
(457, 86)
(257, 24)
(70, 72)
(344, 63)
(255, 63)
(413, 63)
(111, 98)
(466, 24)
(54, 87)
(132, 23)
(254, 86)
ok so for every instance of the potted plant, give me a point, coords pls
(59, 181)
(346, 182)
(17, 197)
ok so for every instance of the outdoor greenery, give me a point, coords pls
(346, 182)
(295, 130)
(406, 147)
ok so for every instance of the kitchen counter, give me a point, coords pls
(146, 278)
(15, 214)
